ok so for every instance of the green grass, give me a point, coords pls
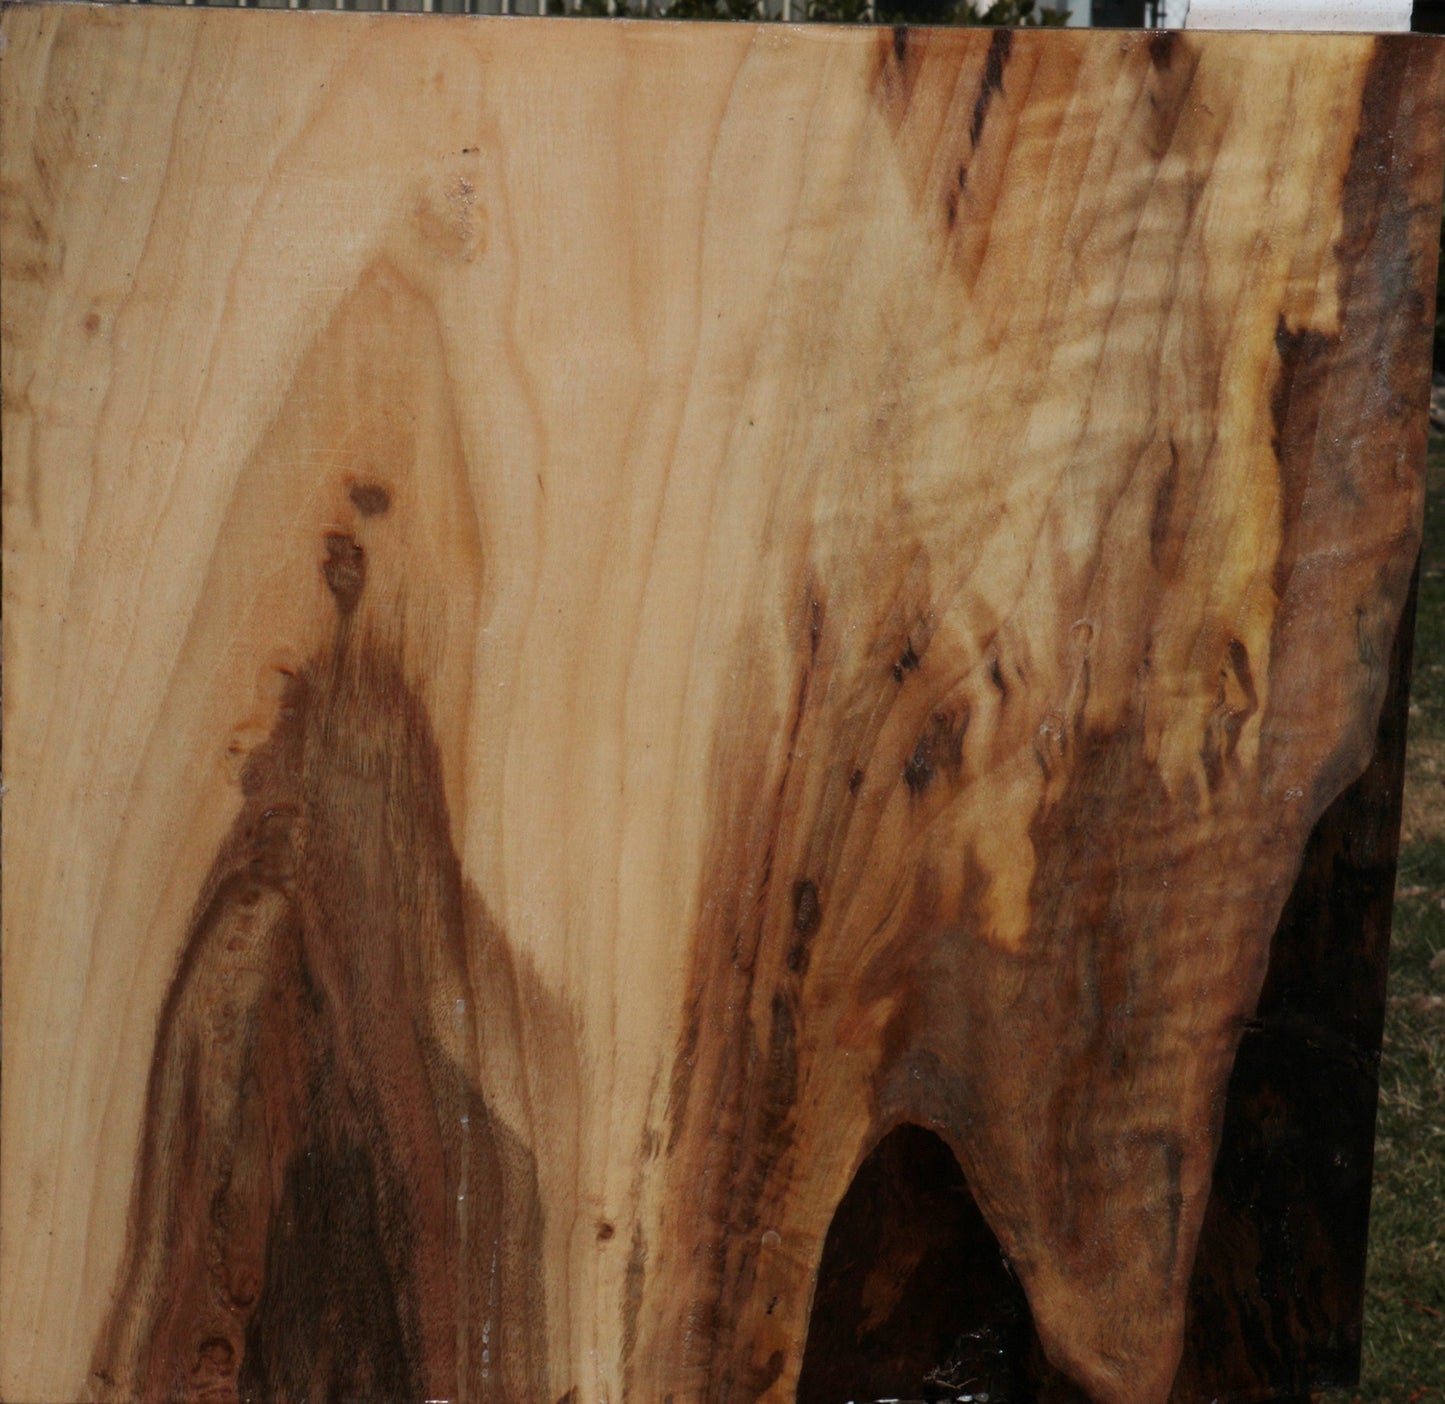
(1404, 1361)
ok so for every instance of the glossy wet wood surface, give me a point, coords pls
(598, 617)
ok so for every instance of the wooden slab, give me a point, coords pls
(599, 615)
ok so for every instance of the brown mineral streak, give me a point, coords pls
(326, 1205)
(873, 657)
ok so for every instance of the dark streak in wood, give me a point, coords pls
(1297, 403)
(324, 1191)
(632, 1295)
(895, 71)
(996, 677)
(1171, 84)
(344, 569)
(370, 499)
(1164, 540)
(999, 47)
(939, 746)
(807, 917)
(1162, 46)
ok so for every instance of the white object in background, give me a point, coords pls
(1372, 16)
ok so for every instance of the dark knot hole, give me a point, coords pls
(915, 1300)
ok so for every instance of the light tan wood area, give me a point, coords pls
(597, 614)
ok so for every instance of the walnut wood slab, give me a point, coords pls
(598, 615)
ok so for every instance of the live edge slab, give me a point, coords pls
(699, 713)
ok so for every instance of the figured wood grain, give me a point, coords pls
(598, 616)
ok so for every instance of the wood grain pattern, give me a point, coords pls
(600, 616)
